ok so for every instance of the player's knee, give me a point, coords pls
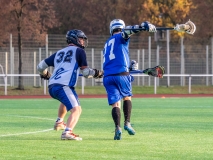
(76, 109)
(117, 104)
(79, 109)
(127, 98)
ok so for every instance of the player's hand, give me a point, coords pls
(98, 74)
(133, 65)
(45, 76)
(148, 26)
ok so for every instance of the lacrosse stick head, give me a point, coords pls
(189, 27)
(157, 71)
(160, 71)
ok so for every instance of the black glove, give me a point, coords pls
(98, 73)
(46, 76)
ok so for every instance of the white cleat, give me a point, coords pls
(68, 135)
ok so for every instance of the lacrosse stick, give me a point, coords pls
(157, 71)
(189, 28)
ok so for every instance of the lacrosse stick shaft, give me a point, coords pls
(157, 28)
(164, 28)
(131, 72)
(189, 28)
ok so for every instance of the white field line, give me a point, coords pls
(28, 117)
(17, 134)
(7, 135)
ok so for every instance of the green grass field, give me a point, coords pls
(166, 129)
(101, 90)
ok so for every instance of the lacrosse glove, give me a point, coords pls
(98, 74)
(148, 26)
(133, 66)
(45, 76)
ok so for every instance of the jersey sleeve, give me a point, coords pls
(122, 39)
(50, 60)
(81, 57)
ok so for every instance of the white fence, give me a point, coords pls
(185, 63)
(179, 57)
(156, 80)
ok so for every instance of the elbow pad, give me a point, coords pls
(41, 67)
(88, 72)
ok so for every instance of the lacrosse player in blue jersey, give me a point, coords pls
(67, 63)
(116, 66)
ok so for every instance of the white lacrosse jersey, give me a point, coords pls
(66, 63)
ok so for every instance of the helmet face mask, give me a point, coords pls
(75, 36)
(115, 24)
(84, 44)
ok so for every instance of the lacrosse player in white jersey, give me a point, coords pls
(116, 66)
(68, 63)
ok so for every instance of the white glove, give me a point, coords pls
(152, 28)
(134, 65)
(148, 27)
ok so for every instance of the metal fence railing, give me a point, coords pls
(189, 78)
(177, 58)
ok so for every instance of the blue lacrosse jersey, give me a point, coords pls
(116, 55)
(66, 63)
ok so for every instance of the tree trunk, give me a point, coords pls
(20, 78)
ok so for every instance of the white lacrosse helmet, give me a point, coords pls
(116, 23)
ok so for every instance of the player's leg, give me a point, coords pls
(62, 111)
(71, 123)
(73, 118)
(69, 98)
(127, 109)
(125, 88)
(59, 124)
(116, 116)
(114, 100)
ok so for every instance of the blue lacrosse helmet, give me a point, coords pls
(115, 24)
(73, 36)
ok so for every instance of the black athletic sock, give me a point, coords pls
(127, 108)
(116, 115)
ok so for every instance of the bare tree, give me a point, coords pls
(27, 17)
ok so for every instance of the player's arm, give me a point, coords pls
(91, 73)
(43, 65)
(86, 71)
(130, 30)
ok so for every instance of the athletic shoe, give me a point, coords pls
(59, 126)
(118, 133)
(128, 128)
(68, 135)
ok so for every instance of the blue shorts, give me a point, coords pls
(118, 87)
(65, 95)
